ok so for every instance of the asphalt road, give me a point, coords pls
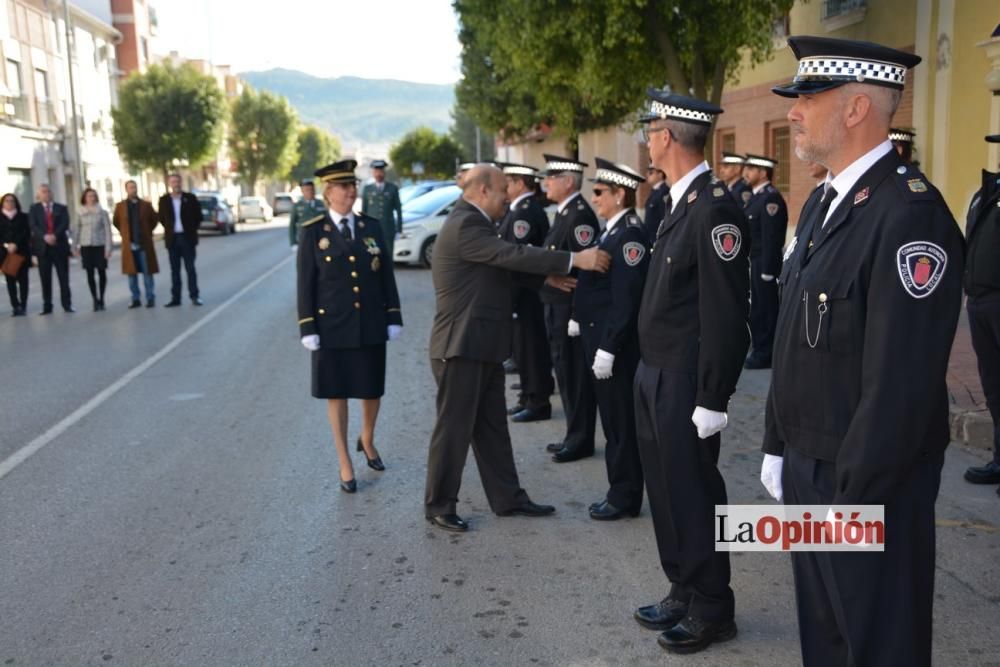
(181, 507)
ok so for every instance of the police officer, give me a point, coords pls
(982, 284)
(655, 202)
(575, 228)
(768, 218)
(463, 169)
(692, 339)
(858, 407)
(306, 208)
(527, 224)
(348, 307)
(902, 141)
(730, 171)
(380, 200)
(606, 306)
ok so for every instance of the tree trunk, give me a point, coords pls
(668, 52)
(718, 83)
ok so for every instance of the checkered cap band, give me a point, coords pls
(760, 162)
(563, 166)
(518, 171)
(840, 69)
(466, 166)
(616, 177)
(900, 136)
(669, 111)
(732, 159)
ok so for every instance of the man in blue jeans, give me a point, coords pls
(180, 215)
(135, 220)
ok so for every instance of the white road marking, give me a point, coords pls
(23, 454)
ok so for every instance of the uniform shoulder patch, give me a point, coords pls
(745, 195)
(521, 229)
(313, 220)
(633, 252)
(727, 239)
(921, 265)
(633, 220)
(583, 234)
(718, 192)
(773, 208)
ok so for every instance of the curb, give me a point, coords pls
(972, 427)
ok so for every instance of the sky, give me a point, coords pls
(410, 40)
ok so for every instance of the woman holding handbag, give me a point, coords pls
(92, 243)
(15, 251)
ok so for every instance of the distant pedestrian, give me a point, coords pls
(180, 215)
(50, 241)
(304, 210)
(91, 233)
(15, 238)
(136, 220)
(380, 200)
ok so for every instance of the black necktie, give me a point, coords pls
(819, 218)
(668, 208)
(345, 229)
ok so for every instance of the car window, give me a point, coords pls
(431, 202)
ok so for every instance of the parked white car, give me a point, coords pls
(255, 208)
(422, 220)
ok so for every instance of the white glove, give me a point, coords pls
(311, 343)
(295, 248)
(770, 475)
(395, 331)
(766, 277)
(573, 329)
(603, 363)
(709, 422)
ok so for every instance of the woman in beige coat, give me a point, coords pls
(91, 232)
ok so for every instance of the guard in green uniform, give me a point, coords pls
(380, 200)
(306, 208)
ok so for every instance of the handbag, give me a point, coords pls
(12, 264)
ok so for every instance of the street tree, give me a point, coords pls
(168, 115)
(262, 136)
(437, 153)
(316, 148)
(463, 131)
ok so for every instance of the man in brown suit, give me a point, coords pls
(469, 341)
(135, 220)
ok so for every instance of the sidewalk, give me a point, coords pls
(970, 420)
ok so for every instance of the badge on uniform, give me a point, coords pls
(327, 227)
(772, 209)
(583, 234)
(862, 195)
(376, 263)
(921, 266)
(324, 243)
(746, 196)
(727, 240)
(633, 252)
(692, 196)
(718, 192)
(372, 246)
(917, 185)
(521, 229)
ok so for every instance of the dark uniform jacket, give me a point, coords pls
(611, 300)
(575, 228)
(741, 192)
(472, 283)
(696, 300)
(16, 231)
(346, 289)
(190, 218)
(982, 229)
(768, 218)
(867, 317)
(60, 224)
(656, 208)
(525, 224)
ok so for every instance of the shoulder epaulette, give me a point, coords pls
(633, 220)
(913, 183)
(312, 220)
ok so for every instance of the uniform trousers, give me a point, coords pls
(867, 608)
(617, 408)
(984, 326)
(574, 377)
(683, 485)
(530, 349)
(763, 312)
(470, 410)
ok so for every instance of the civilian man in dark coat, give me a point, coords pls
(50, 244)
(180, 215)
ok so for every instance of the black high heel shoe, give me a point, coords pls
(350, 486)
(375, 463)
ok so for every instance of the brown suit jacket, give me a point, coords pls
(147, 223)
(472, 284)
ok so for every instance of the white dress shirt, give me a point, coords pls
(519, 199)
(760, 187)
(178, 226)
(565, 202)
(844, 182)
(612, 222)
(677, 189)
(341, 220)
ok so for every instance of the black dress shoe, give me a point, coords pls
(695, 634)
(69, 309)
(987, 474)
(46, 311)
(452, 522)
(663, 615)
(608, 512)
(350, 486)
(553, 447)
(533, 414)
(753, 363)
(173, 303)
(566, 455)
(529, 509)
(514, 410)
(135, 304)
(151, 303)
(197, 301)
(375, 463)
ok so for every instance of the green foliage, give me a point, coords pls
(438, 153)
(168, 113)
(463, 131)
(316, 148)
(262, 134)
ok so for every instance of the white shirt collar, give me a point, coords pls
(659, 185)
(844, 182)
(520, 199)
(761, 186)
(565, 202)
(614, 219)
(338, 218)
(678, 189)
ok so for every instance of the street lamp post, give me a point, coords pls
(77, 161)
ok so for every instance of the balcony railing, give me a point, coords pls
(46, 114)
(833, 8)
(22, 108)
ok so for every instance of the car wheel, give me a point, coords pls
(232, 228)
(427, 252)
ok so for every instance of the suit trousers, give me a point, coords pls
(617, 408)
(763, 312)
(984, 326)
(574, 377)
(683, 485)
(59, 259)
(181, 249)
(470, 410)
(531, 351)
(861, 608)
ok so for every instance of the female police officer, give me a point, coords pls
(348, 307)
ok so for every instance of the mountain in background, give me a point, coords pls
(360, 111)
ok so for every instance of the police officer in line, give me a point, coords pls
(693, 340)
(575, 228)
(348, 307)
(306, 208)
(380, 200)
(730, 171)
(902, 141)
(526, 223)
(858, 407)
(768, 218)
(655, 203)
(982, 284)
(463, 169)
(606, 307)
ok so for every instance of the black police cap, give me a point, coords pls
(664, 105)
(826, 63)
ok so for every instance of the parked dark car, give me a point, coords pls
(216, 214)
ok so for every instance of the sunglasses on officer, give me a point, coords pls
(599, 191)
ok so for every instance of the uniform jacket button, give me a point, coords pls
(356, 289)
(322, 312)
(822, 297)
(669, 260)
(328, 258)
(354, 274)
(351, 259)
(357, 305)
